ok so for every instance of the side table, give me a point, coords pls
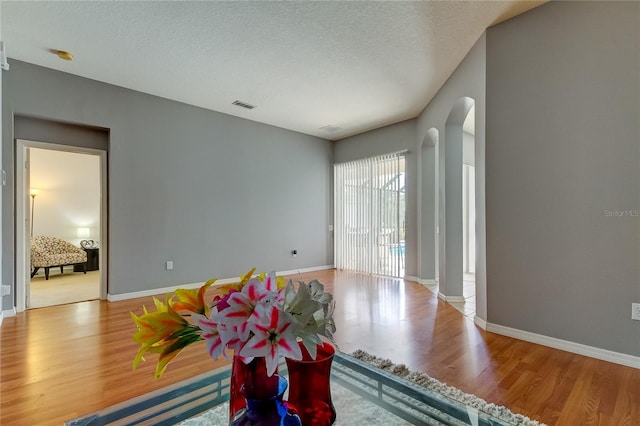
(93, 260)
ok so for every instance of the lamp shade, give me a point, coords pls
(84, 232)
(34, 191)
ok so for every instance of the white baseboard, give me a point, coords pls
(422, 281)
(165, 290)
(156, 291)
(451, 299)
(480, 322)
(304, 270)
(576, 348)
(7, 313)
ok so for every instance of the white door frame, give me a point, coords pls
(23, 220)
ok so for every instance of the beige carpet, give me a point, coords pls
(60, 289)
(437, 386)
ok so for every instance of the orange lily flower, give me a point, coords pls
(192, 300)
(223, 290)
(165, 332)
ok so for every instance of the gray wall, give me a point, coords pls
(428, 201)
(563, 148)
(2, 281)
(393, 138)
(446, 108)
(214, 193)
(37, 129)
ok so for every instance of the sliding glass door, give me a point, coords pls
(370, 215)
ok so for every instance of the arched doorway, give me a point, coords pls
(452, 243)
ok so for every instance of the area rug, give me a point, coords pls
(422, 379)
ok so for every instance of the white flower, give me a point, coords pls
(273, 336)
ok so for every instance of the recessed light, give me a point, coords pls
(63, 54)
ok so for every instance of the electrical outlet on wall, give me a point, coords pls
(635, 311)
(5, 290)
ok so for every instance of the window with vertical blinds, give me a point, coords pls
(370, 215)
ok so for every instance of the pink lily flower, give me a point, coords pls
(221, 302)
(243, 304)
(211, 334)
(275, 287)
(274, 336)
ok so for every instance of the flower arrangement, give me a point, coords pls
(259, 316)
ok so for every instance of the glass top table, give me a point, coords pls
(361, 393)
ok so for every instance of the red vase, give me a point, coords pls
(310, 386)
(253, 376)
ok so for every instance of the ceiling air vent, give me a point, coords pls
(330, 128)
(243, 104)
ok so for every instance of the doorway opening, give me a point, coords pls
(461, 272)
(469, 211)
(61, 204)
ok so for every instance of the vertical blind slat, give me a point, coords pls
(369, 215)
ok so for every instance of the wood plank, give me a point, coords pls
(61, 362)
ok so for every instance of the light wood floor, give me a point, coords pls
(61, 362)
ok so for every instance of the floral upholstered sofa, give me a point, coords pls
(48, 252)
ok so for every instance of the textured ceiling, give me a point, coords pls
(305, 65)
